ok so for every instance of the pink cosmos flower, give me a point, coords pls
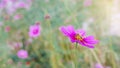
(34, 30)
(23, 54)
(87, 3)
(7, 28)
(17, 45)
(78, 36)
(22, 5)
(11, 6)
(17, 16)
(97, 65)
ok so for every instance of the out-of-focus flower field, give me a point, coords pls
(43, 34)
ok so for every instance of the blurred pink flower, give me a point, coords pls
(17, 17)
(97, 65)
(78, 36)
(22, 5)
(23, 54)
(1, 5)
(87, 3)
(7, 28)
(9, 6)
(34, 30)
(1, 24)
(17, 45)
(12, 5)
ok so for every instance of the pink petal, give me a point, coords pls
(81, 32)
(20, 5)
(90, 40)
(86, 44)
(67, 30)
(72, 40)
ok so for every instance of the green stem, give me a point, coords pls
(76, 55)
(76, 45)
(94, 54)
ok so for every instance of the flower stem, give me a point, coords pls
(76, 45)
(94, 54)
(76, 55)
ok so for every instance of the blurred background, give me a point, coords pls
(51, 49)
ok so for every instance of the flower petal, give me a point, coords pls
(72, 40)
(90, 40)
(67, 30)
(86, 44)
(81, 32)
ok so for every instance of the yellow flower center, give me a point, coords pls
(78, 37)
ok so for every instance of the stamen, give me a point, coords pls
(78, 37)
